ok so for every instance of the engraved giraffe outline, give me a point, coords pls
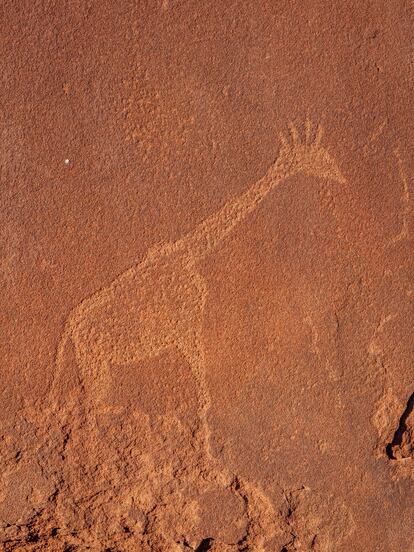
(158, 304)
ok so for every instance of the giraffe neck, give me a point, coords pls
(239, 208)
(209, 233)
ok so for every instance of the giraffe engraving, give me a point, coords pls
(157, 305)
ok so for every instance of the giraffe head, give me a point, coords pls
(308, 156)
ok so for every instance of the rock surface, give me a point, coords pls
(206, 253)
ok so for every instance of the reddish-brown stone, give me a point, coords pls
(206, 253)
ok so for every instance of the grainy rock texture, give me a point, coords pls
(206, 254)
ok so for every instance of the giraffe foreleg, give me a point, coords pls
(194, 353)
(95, 375)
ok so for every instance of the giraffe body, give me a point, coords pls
(144, 311)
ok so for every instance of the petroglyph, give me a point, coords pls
(374, 136)
(406, 208)
(158, 304)
(373, 347)
(314, 337)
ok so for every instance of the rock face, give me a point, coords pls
(206, 257)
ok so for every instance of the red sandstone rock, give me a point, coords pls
(206, 256)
